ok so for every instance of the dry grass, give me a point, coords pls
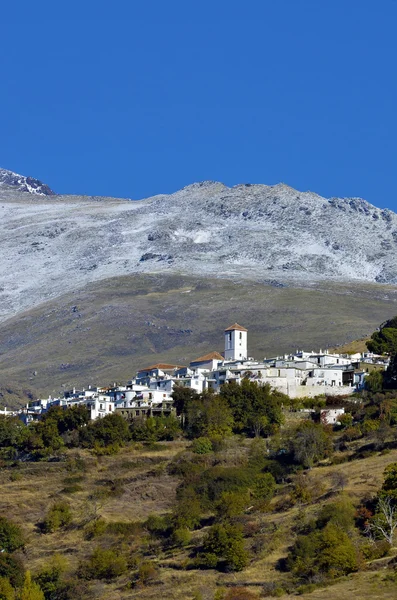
(145, 487)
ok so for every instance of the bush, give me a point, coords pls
(147, 573)
(264, 487)
(232, 504)
(226, 543)
(329, 551)
(374, 550)
(213, 482)
(156, 429)
(11, 536)
(103, 564)
(59, 515)
(202, 445)
(31, 590)
(181, 537)
(159, 525)
(187, 511)
(49, 578)
(111, 431)
(7, 592)
(95, 528)
(12, 568)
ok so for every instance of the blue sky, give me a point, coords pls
(134, 98)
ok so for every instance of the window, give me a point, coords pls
(241, 336)
(229, 340)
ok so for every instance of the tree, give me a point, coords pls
(10, 431)
(225, 543)
(182, 396)
(7, 592)
(112, 430)
(264, 487)
(31, 590)
(310, 444)
(384, 522)
(384, 341)
(339, 480)
(374, 381)
(11, 536)
(11, 568)
(255, 408)
(209, 416)
(389, 487)
(328, 551)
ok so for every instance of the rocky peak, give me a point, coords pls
(20, 183)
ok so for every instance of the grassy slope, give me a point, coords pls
(146, 489)
(126, 323)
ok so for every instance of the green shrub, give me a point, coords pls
(369, 426)
(264, 487)
(124, 528)
(7, 592)
(11, 567)
(95, 528)
(328, 551)
(50, 577)
(181, 537)
(374, 550)
(103, 564)
(225, 542)
(31, 590)
(147, 573)
(59, 515)
(232, 504)
(11, 536)
(213, 482)
(159, 525)
(202, 445)
(187, 512)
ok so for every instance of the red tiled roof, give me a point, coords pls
(237, 327)
(208, 357)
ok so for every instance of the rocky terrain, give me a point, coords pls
(14, 181)
(90, 282)
(273, 234)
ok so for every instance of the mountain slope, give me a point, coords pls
(107, 330)
(271, 234)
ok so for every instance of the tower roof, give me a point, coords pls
(236, 327)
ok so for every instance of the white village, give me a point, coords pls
(149, 394)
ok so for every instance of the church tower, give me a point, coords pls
(236, 343)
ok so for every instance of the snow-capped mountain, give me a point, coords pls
(57, 244)
(23, 184)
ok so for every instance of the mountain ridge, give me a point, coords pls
(54, 244)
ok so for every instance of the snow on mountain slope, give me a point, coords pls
(54, 244)
(21, 183)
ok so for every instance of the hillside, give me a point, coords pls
(106, 331)
(124, 490)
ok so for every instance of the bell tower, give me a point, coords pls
(236, 343)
